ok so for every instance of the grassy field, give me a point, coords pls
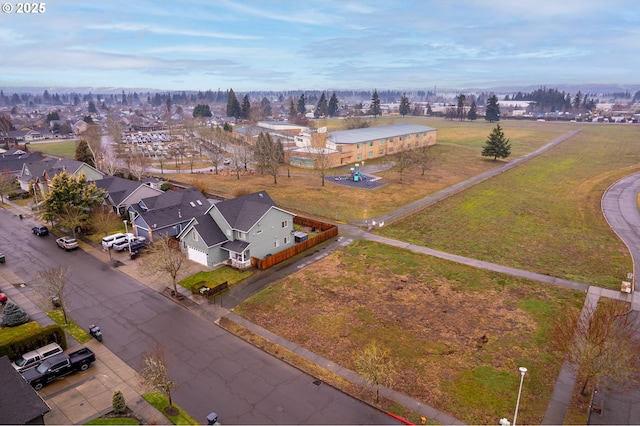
(543, 216)
(64, 148)
(457, 334)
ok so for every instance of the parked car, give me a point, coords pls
(109, 241)
(34, 358)
(3, 299)
(40, 230)
(58, 366)
(124, 244)
(134, 248)
(67, 243)
(2, 259)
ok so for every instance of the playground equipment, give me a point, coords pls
(356, 175)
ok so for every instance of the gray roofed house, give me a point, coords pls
(232, 231)
(14, 159)
(165, 215)
(20, 404)
(41, 172)
(121, 193)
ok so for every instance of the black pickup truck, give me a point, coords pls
(58, 366)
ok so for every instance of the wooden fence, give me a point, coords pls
(327, 231)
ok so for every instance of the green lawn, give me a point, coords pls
(71, 328)
(113, 421)
(64, 148)
(215, 277)
(160, 402)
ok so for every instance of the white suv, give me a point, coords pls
(109, 241)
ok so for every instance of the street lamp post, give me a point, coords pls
(126, 230)
(523, 371)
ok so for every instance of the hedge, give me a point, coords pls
(21, 344)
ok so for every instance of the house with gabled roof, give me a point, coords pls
(13, 160)
(167, 214)
(20, 404)
(41, 172)
(232, 231)
(121, 193)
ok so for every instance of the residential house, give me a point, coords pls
(167, 214)
(233, 231)
(12, 160)
(20, 404)
(41, 172)
(121, 193)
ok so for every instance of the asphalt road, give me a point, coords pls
(216, 370)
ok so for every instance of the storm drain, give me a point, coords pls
(317, 382)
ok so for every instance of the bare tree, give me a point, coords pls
(109, 160)
(155, 375)
(356, 123)
(51, 283)
(403, 157)
(104, 221)
(94, 139)
(8, 183)
(376, 366)
(423, 158)
(602, 341)
(164, 259)
(138, 165)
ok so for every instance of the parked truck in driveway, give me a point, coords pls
(58, 366)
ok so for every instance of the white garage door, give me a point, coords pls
(197, 255)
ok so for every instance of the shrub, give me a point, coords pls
(13, 315)
(165, 186)
(118, 402)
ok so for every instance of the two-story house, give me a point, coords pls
(233, 231)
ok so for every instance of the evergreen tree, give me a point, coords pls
(332, 110)
(302, 105)
(405, 105)
(497, 145)
(266, 107)
(322, 108)
(473, 111)
(83, 153)
(70, 191)
(118, 402)
(233, 105)
(461, 104)
(92, 108)
(246, 107)
(202, 110)
(492, 112)
(13, 315)
(374, 108)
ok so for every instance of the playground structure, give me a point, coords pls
(356, 175)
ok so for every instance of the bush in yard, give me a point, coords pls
(13, 315)
(118, 402)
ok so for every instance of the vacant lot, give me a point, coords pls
(458, 334)
(543, 216)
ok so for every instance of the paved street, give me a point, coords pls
(216, 370)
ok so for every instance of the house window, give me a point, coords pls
(359, 146)
(381, 151)
(285, 223)
(259, 231)
(371, 143)
(287, 239)
(370, 154)
(242, 235)
(381, 141)
(390, 150)
(276, 243)
(359, 157)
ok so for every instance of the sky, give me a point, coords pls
(319, 45)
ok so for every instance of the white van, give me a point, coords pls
(108, 242)
(33, 358)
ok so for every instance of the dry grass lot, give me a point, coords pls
(457, 334)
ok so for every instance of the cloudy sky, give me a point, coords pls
(341, 44)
